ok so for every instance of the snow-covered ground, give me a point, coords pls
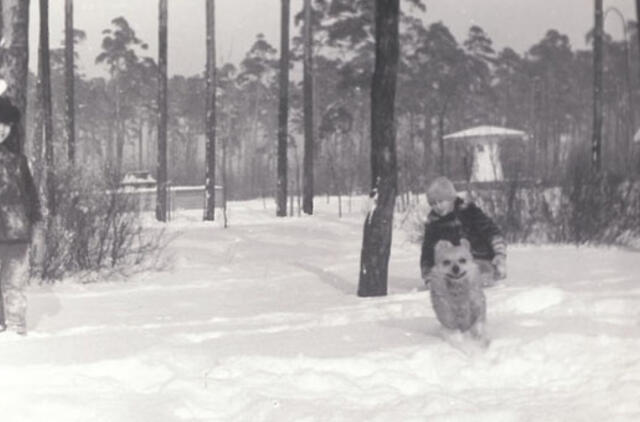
(259, 322)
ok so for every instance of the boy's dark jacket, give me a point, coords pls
(466, 220)
(19, 203)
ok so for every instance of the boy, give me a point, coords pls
(452, 218)
(19, 211)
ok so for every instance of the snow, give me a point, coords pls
(260, 322)
(487, 132)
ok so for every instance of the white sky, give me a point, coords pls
(515, 23)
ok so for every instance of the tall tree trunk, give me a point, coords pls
(362, 167)
(307, 160)
(536, 119)
(630, 104)
(225, 185)
(141, 144)
(298, 184)
(638, 34)
(210, 177)
(45, 84)
(37, 143)
(376, 242)
(426, 144)
(252, 150)
(161, 201)
(69, 82)
(441, 145)
(119, 137)
(283, 114)
(596, 143)
(37, 146)
(411, 159)
(108, 148)
(14, 56)
(638, 19)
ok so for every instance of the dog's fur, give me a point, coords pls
(456, 289)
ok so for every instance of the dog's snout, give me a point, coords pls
(455, 268)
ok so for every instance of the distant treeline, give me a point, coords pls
(444, 85)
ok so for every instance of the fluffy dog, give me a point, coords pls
(456, 290)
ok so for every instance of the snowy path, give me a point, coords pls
(259, 322)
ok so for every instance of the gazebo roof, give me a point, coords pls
(486, 132)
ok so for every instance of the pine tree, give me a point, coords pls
(127, 78)
(596, 144)
(45, 95)
(376, 242)
(307, 160)
(638, 20)
(69, 82)
(283, 115)
(161, 201)
(210, 177)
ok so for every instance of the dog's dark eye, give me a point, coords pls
(446, 262)
(462, 260)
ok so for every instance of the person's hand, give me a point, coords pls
(500, 265)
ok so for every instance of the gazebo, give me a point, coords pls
(485, 144)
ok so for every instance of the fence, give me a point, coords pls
(179, 197)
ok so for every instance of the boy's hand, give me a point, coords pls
(500, 264)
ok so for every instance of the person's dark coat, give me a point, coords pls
(465, 221)
(19, 203)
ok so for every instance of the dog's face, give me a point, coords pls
(454, 262)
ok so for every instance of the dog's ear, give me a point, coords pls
(443, 245)
(465, 244)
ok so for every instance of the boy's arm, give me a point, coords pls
(489, 230)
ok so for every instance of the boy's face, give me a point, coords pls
(4, 131)
(442, 207)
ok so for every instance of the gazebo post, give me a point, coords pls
(485, 165)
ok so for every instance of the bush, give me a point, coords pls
(95, 227)
(600, 208)
(590, 208)
(525, 213)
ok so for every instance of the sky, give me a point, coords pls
(514, 23)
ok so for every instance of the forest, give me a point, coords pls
(444, 85)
